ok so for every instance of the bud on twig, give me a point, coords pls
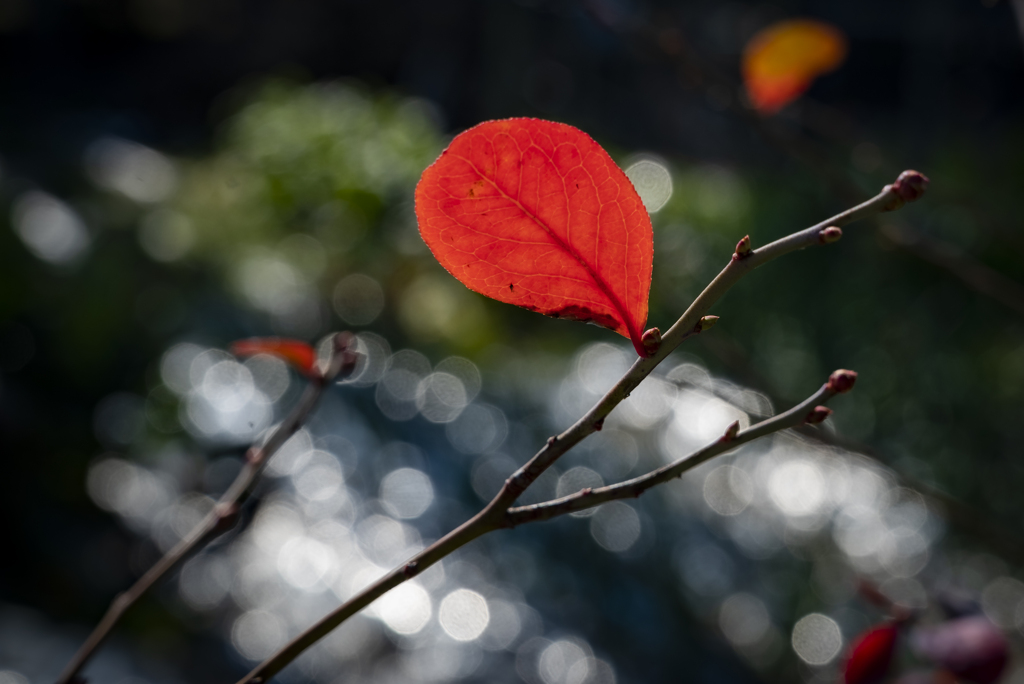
(651, 339)
(731, 432)
(706, 323)
(742, 249)
(227, 516)
(909, 186)
(842, 381)
(343, 356)
(817, 415)
(830, 235)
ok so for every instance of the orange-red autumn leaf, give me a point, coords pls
(781, 61)
(297, 353)
(535, 213)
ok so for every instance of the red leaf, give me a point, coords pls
(871, 655)
(297, 353)
(780, 62)
(535, 213)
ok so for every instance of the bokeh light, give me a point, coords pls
(652, 181)
(406, 492)
(817, 639)
(615, 526)
(743, 619)
(138, 172)
(464, 615)
(257, 634)
(406, 609)
(51, 229)
(358, 299)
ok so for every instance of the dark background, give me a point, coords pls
(933, 85)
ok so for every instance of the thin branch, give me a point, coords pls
(908, 187)
(959, 514)
(631, 489)
(225, 513)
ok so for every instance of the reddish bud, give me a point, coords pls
(842, 381)
(731, 432)
(910, 185)
(830, 235)
(342, 356)
(972, 648)
(651, 339)
(742, 248)
(871, 655)
(817, 415)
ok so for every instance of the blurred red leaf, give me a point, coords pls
(871, 655)
(971, 647)
(535, 213)
(780, 62)
(297, 353)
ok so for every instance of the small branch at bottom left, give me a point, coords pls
(340, 363)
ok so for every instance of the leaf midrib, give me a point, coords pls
(627, 319)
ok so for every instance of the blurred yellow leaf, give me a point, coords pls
(781, 61)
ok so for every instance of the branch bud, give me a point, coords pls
(706, 323)
(731, 432)
(817, 415)
(909, 186)
(227, 516)
(343, 356)
(743, 249)
(830, 235)
(651, 339)
(841, 381)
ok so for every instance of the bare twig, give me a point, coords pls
(959, 514)
(807, 411)
(225, 513)
(907, 187)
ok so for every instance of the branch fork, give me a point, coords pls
(501, 513)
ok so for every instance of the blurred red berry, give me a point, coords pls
(972, 648)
